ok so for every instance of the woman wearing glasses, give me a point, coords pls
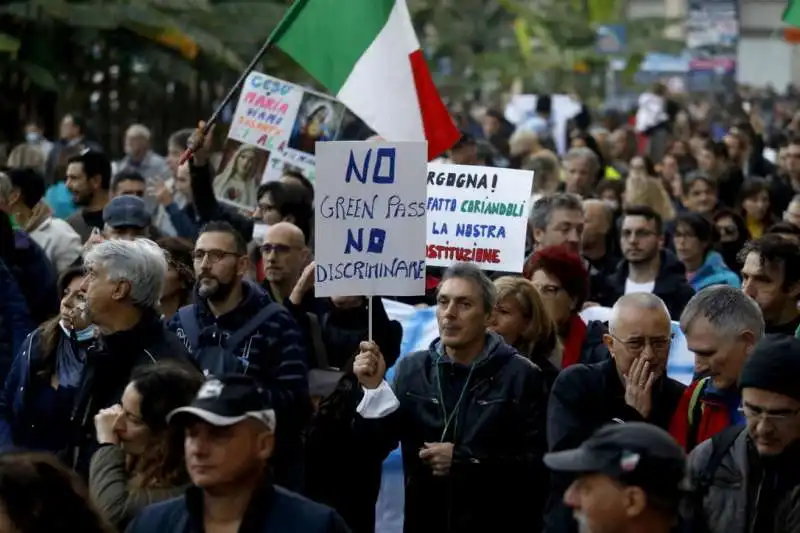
(563, 283)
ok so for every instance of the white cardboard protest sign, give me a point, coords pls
(370, 219)
(477, 215)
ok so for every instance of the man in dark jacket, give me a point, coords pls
(648, 267)
(230, 436)
(123, 289)
(235, 327)
(469, 414)
(748, 478)
(631, 386)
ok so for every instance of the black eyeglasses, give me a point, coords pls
(214, 256)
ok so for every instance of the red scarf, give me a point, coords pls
(574, 342)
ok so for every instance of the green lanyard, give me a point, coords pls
(448, 419)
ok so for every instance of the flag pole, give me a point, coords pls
(277, 33)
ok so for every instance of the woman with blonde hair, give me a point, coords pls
(649, 191)
(521, 318)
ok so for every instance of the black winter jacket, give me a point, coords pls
(496, 481)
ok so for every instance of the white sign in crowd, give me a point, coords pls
(477, 215)
(370, 219)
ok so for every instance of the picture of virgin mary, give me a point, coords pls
(239, 180)
(316, 126)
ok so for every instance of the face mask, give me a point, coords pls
(82, 335)
(33, 137)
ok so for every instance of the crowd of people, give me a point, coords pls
(168, 368)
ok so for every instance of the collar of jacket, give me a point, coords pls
(149, 328)
(254, 298)
(255, 516)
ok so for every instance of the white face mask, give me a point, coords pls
(33, 137)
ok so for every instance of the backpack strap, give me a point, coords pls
(695, 414)
(241, 334)
(190, 326)
(720, 444)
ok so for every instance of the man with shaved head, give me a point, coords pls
(630, 386)
(284, 254)
(597, 245)
(289, 280)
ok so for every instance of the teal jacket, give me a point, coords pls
(714, 272)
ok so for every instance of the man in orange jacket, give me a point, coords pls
(721, 325)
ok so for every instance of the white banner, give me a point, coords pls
(370, 219)
(477, 215)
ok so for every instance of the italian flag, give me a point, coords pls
(365, 52)
(791, 15)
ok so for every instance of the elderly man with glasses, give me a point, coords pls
(630, 386)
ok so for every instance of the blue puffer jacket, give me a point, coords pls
(15, 321)
(714, 271)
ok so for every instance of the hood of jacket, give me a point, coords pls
(495, 350)
(714, 271)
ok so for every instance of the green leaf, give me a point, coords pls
(9, 44)
(38, 75)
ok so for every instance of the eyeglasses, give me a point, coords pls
(636, 345)
(214, 256)
(279, 249)
(756, 414)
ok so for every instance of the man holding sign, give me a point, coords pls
(470, 416)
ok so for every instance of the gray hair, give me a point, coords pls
(472, 273)
(138, 130)
(542, 210)
(5, 186)
(583, 152)
(728, 310)
(140, 262)
(638, 300)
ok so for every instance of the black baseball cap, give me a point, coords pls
(126, 211)
(633, 453)
(226, 401)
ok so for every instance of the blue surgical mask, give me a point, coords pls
(84, 334)
(33, 137)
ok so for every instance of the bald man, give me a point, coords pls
(284, 254)
(597, 246)
(631, 386)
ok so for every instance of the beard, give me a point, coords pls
(212, 289)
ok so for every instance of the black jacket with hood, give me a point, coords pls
(496, 481)
(671, 284)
